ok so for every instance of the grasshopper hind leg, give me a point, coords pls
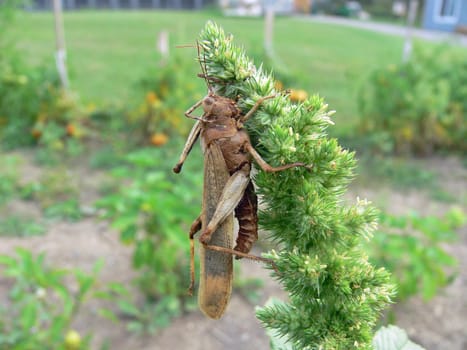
(230, 197)
(195, 227)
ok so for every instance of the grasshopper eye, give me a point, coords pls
(208, 101)
(208, 105)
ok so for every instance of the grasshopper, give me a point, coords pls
(228, 189)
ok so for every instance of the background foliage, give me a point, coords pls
(411, 248)
(42, 308)
(127, 122)
(419, 106)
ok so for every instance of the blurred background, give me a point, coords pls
(93, 223)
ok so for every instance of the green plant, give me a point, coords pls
(8, 11)
(169, 91)
(23, 90)
(393, 338)
(330, 52)
(152, 213)
(68, 209)
(249, 288)
(398, 172)
(34, 109)
(112, 135)
(41, 307)
(151, 316)
(20, 226)
(60, 127)
(402, 173)
(8, 178)
(335, 294)
(418, 106)
(411, 247)
(386, 338)
(56, 193)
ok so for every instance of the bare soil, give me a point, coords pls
(438, 325)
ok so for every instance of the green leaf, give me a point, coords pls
(118, 288)
(7, 260)
(128, 235)
(143, 251)
(431, 282)
(125, 221)
(393, 338)
(128, 308)
(85, 282)
(276, 341)
(135, 326)
(98, 266)
(29, 315)
(108, 314)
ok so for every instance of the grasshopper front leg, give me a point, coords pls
(255, 107)
(192, 137)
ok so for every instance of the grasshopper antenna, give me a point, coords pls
(203, 68)
(184, 46)
(204, 73)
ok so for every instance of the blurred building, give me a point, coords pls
(230, 7)
(257, 7)
(123, 4)
(445, 15)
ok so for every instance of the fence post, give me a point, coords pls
(60, 55)
(410, 23)
(268, 29)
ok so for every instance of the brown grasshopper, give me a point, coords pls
(228, 189)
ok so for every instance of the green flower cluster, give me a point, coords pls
(335, 295)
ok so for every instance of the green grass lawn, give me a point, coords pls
(109, 51)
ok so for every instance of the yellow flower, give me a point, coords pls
(440, 132)
(72, 340)
(146, 207)
(278, 85)
(298, 95)
(159, 139)
(151, 97)
(164, 89)
(36, 133)
(406, 133)
(71, 130)
(91, 107)
(41, 117)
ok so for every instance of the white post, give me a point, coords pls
(60, 55)
(268, 29)
(410, 23)
(162, 46)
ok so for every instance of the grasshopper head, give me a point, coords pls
(220, 107)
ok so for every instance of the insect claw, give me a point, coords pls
(205, 236)
(177, 168)
(190, 290)
(275, 268)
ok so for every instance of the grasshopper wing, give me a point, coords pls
(216, 271)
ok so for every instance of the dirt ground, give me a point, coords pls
(438, 325)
